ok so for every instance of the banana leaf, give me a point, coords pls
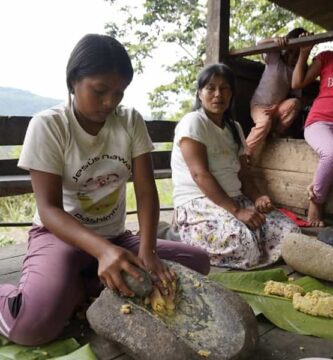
(278, 310)
(3, 341)
(84, 353)
(49, 351)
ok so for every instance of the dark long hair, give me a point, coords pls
(97, 54)
(295, 33)
(204, 77)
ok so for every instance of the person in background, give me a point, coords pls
(274, 105)
(80, 156)
(318, 131)
(217, 205)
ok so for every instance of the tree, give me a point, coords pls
(181, 24)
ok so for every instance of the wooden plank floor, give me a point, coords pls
(274, 344)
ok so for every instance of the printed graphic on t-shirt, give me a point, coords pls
(107, 203)
(99, 181)
(330, 82)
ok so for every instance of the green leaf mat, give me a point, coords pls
(68, 349)
(280, 311)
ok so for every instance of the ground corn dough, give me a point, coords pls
(316, 303)
(282, 289)
(164, 304)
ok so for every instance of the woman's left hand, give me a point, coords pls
(158, 270)
(264, 204)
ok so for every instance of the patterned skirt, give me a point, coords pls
(228, 241)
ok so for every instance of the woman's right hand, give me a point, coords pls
(305, 49)
(281, 41)
(250, 217)
(112, 263)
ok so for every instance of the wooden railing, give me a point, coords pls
(16, 181)
(284, 168)
(262, 48)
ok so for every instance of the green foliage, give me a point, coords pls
(267, 20)
(6, 240)
(130, 197)
(164, 189)
(10, 152)
(181, 24)
(15, 152)
(68, 349)
(280, 311)
(17, 208)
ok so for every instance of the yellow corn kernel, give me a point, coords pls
(126, 309)
(204, 353)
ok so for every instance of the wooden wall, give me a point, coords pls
(285, 168)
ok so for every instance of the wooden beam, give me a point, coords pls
(217, 40)
(15, 185)
(259, 49)
(12, 129)
(161, 130)
(9, 167)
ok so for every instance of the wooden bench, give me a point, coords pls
(284, 168)
(15, 181)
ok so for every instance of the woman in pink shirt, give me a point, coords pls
(319, 126)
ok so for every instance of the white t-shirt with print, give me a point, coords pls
(94, 169)
(222, 151)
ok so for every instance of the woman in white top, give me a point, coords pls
(217, 206)
(80, 156)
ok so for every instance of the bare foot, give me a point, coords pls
(315, 214)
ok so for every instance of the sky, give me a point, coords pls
(38, 36)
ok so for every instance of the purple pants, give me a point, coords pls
(57, 277)
(319, 136)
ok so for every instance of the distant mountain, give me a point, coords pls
(24, 103)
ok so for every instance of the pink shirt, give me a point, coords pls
(322, 107)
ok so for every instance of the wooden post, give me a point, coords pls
(217, 41)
